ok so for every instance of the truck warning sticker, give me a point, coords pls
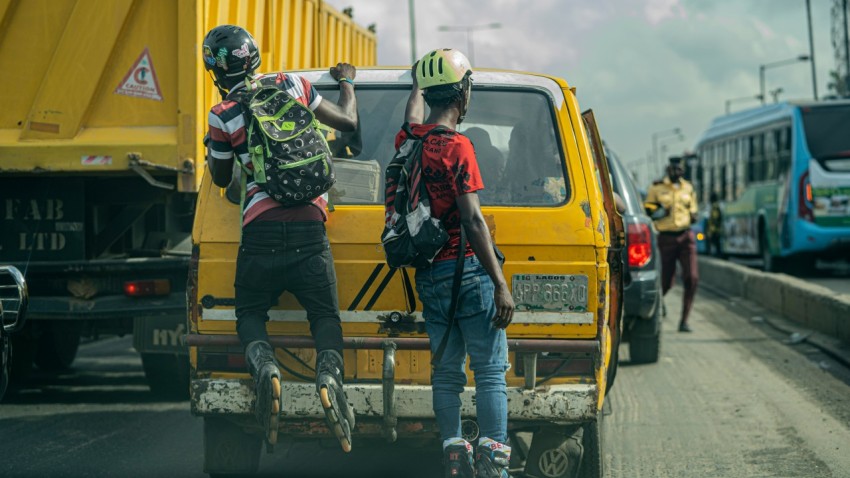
(140, 81)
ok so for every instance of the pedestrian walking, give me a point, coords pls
(284, 244)
(484, 303)
(714, 229)
(673, 205)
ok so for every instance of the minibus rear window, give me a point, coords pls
(513, 131)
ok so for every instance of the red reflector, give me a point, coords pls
(640, 244)
(145, 288)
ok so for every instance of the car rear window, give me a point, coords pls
(513, 131)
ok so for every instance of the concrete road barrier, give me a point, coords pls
(810, 305)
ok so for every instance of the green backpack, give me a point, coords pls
(290, 156)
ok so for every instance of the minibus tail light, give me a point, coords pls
(640, 244)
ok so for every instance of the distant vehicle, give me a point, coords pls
(783, 174)
(14, 299)
(642, 281)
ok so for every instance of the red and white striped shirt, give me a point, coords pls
(228, 137)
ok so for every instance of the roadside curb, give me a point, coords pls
(830, 344)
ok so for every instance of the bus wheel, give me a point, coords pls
(228, 449)
(769, 261)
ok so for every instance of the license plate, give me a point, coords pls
(547, 292)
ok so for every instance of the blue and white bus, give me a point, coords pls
(782, 172)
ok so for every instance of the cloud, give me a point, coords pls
(643, 65)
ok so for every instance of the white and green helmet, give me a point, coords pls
(443, 66)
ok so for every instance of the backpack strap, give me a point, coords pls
(458, 278)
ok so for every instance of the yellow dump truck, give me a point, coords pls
(104, 110)
(550, 207)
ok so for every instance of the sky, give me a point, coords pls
(644, 66)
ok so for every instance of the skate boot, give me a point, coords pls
(457, 458)
(339, 416)
(262, 364)
(492, 459)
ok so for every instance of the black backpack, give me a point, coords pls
(411, 236)
(291, 158)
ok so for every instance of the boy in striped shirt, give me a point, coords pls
(283, 248)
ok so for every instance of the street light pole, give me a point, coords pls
(410, 8)
(774, 64)
(743, 98)
(469, 29)
(812, 49)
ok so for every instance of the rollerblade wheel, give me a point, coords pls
(276, 394)
(326, 399)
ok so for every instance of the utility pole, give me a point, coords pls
(846, 44)
(410, 8)
(812, 45)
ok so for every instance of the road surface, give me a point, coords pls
(730, 400)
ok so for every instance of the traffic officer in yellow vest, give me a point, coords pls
(672, 203)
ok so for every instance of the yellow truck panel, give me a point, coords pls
(107, 79)
(105, 105)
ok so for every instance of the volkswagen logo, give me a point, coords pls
(553, 463)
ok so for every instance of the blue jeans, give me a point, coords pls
(473, 333)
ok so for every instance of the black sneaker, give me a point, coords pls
(457, 460)
(259, 356)
(492, 459)
(338, 414)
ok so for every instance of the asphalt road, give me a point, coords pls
(730, 400)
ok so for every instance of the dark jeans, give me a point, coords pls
(275, 257)
(679, 247)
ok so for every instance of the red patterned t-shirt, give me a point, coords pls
(449, 169)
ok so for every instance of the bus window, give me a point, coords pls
(784, 151)
(723, 156)
(733, 170)
(826, 131)
(771, 154)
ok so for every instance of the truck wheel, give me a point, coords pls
(228, 450)
(23, 354)
(57, 345)
(167, 375)
(645, 340)
(592, 460)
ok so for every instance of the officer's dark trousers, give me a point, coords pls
(681, 247)
(287, 256)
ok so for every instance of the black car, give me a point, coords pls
(642, 302)
(13, 306)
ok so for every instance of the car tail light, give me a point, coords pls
(640, 244)
(804, 194)
(147, 288)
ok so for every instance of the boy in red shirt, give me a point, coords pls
(485, 306)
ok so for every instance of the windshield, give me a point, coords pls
(512, 130)
(826, 130)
